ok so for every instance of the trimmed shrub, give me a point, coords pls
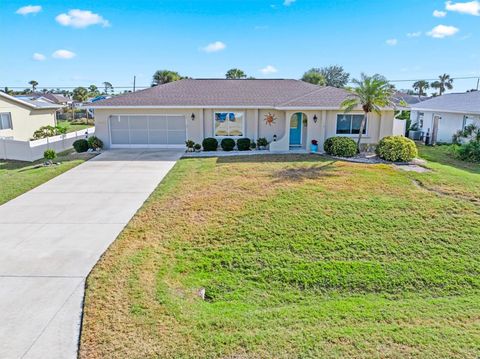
(49, 154)
(340, 146)
(243, 144)
(80, 145)
(227, 144)
(262, 142)
(197, 147)
(469, 151)
(210, 144)
(253, 145)
(94, 142)
(396, 149)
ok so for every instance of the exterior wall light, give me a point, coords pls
(193, 117)
(274, 138)
(315, 118)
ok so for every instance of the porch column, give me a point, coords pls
(256, 124)
(323, 130)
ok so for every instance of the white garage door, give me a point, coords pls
(147, 131)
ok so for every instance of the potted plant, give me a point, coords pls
(189, 145)
(314, 146)
(262, 143)
(197, 147)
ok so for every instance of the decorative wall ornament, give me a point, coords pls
(270, 119)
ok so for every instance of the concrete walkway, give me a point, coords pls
(52, 236)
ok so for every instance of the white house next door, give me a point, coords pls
(147, 131)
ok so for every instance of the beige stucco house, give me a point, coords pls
(289, 113)
(20, 118)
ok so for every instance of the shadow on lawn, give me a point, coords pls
(269, 158)
(300, 174)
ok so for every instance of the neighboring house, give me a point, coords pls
(410, 99)
(444, 115)
(55, 98)
(289, 113)
(20, 118)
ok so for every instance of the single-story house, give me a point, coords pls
(288, 113)
(55, 98)
(20, 118)
(444, 115)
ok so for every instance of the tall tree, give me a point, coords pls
(314, 76)
(107, 86)
(93, 91)
(335, 76)
(443, 83)
(80, 94)
(161, 77)
(34, 85)
(371, 93)
(233, 74)
(420, 86)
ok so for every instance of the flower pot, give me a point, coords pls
(313, 148)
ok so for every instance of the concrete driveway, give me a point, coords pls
(52, 236)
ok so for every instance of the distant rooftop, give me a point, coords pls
(30, 102)
(466, 102)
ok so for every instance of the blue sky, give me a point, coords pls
(113, 40)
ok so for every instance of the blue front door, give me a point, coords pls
(296, 129)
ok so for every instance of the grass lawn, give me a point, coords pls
(18, 177)
(300, 257)
(73, 127)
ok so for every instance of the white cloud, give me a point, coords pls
(391, 42)
(29, 9)
(81, 18)
(288, 2)
(414, 34)
(39, 57)
(471, 7)
(63, 54)
(441, 31)
(438, 13)
(214, 47)
(269, 69)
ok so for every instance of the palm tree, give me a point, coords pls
(93, 91)
(234, 74)
(80, 94)
(161, 77)
(107, 86)
(371, 93)
(420, 86)
(443, 83)
(34, 85)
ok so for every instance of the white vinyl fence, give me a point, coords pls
(399, 127)
(33, 150)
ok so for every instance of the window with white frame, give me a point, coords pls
(229, 124)
(5, 121)
(350, 124)
(471, 120)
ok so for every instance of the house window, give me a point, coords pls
(420, 116)
(350, 124)
(5, 121)
(471, 120)
(229, 124)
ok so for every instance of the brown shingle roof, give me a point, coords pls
(239, 93)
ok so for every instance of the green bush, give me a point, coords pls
(49, 154)
(243, 144)
(80, 145)
(262, 142)
(396, 149)
(197, 147)
(189, 144)
(94, 142)
(469, 151)
(253, 145)
(340, 146)
(210, 144)
(227, 144)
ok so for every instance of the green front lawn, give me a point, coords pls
(73, 127)
(300, 257)
(18, 177)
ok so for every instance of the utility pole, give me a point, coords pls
(135, 78)
(478, 82)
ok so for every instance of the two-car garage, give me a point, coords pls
(147, 130)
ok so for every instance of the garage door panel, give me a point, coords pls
(120, 137)
(157, 122)
(139, 137)
(138, 122)
(176, 123)
(119, 123)
(158, 137)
